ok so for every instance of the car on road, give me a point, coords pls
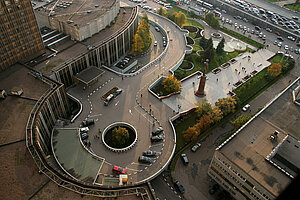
(149, 153)
(157, 138)
(164, 43)
(195, 147)
(184, 158)
(179, 187)
(144, 159)
(157, 28)
(246, 107)
(155, 43)
(117, 92)
(157, 131)
(119, 170)
(291, 38)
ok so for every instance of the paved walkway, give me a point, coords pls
(218, 85)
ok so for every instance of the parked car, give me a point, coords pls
(164, 43)
(195, 147)
(277, 33)
(117, 92)
(145, 159)
(84, 136)
(269, 30)
(149, 153)
(184, 159)
(157, 131)
(157, 138)
(108, 99)
(286, 47)
(84, 129)
(119, 170)
(179, 187)
(275, 42)
(157, 29)
(280, 38)
(246, 107)
(87, 122)
(291, 38)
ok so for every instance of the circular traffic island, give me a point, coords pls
(119, 136)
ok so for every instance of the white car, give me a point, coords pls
(286, 47)
(291, 38)
(195, 147)
(246, 107)
(155, 43)
(84, 130)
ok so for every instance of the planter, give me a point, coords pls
(107, 137)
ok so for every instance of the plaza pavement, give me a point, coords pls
(218, 85)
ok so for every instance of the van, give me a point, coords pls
(108, 99)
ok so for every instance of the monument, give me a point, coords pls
(200, 92)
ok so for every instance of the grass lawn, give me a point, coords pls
(294, 6)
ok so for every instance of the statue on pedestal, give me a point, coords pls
(200, 92)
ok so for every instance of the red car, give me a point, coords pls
(277, 33)
(119, 170)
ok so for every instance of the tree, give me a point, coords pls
(120, 136)
(203, 123)
(161, 11)
(180, 18)
(216, 114)
(209, 51)
(240, 121)
(220, 47)
(203, 42)
(172, 84)
(275, 69)
(203, 107)
(227, 105)
(212, 21)
(137, 44)
(190, 134)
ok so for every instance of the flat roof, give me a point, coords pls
(79, 48)
(15, 110)
(89, 74)
(78, 11)
(251, 145)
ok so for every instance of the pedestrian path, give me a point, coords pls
(220, 84)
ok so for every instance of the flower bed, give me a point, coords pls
(111, 91)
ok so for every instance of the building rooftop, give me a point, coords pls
(78, 11)
(250, 146)
(14, 109)
(80, 48)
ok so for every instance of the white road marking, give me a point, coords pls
(130, 112)
(116, 103)
(96, 115)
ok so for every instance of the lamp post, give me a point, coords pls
(200, 92)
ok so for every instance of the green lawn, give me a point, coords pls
(294, 6)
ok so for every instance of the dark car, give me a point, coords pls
(157, 131)
(84, 136)
(157, 138)
(145, 159)
(149, 153)
(179, 187)
(280, 38)
(88, 122)
(184, 159)
(117, 92)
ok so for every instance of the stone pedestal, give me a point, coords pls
(200, 91)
